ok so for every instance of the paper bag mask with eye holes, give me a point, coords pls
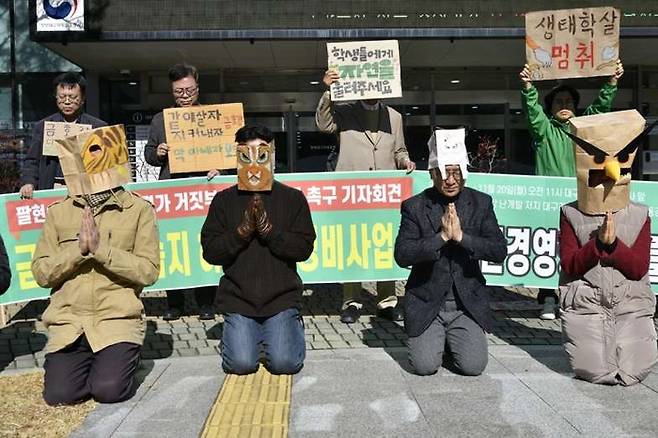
(605, 146)
(448, 147)
(95, 161)
(255, 166)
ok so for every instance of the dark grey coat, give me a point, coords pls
(436, 264)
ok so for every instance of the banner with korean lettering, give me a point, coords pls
(367, 70)
(356, 216)
(201, 138)
(572, 43)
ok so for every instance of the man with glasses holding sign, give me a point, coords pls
(42, 171)
(184, 80)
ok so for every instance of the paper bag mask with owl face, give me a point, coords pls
(447, 147)
(95, 161)
(255, 165)
(605, 146)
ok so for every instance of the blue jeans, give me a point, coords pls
(281, 336)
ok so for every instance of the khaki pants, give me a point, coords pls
(385, 295)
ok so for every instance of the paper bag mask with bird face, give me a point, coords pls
(605, 146)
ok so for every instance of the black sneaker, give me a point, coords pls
(206, 312)
(391, 313)
(350, 314)
(171, 314)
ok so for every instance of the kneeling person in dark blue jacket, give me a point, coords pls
(444, 232)
(258, 230)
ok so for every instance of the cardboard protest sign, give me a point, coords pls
(59, 130)
(572, 43)
(201, 138)
(367, 69)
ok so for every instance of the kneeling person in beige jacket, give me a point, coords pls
(98, 249)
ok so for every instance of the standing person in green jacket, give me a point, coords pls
(553, 150)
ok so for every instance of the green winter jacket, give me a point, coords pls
(553, 150)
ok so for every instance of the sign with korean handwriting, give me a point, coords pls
(58, 130)
(367, 69)
(572, 43)
(201, 138)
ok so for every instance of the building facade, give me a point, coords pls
(460, 64)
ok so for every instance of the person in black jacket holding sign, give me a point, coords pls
(42, 172)
(258, 230)
(184, 80)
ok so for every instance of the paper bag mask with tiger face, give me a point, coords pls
(95, 161)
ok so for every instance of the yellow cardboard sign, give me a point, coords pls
(201, 138)
(572, 43)
(57, 131)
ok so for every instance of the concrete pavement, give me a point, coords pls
(525, 391)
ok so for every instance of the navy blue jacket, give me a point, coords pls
(436, 265)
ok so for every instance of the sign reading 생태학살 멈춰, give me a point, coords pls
(202, 137)
(367, 70)
(356, 217)
(572, 43)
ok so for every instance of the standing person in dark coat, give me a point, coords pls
(257, 231)
(445, 231)
(184, 80)
(41, 172)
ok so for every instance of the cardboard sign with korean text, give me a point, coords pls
(58, 131)
(202, 137)
(572, 43)
(367, 69)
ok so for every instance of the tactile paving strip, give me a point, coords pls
(252, 406)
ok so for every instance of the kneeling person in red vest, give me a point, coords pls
(99, 248)
(257, 231)
(605, 294)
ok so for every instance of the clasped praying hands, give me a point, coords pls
(607, 234)
(450, 225)
(254, 219)
(89, 237)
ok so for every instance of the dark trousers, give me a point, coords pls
(465, 339)
(545, 293)
(76, 374)
(205, 296)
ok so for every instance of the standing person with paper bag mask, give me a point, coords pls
(552, 146)
(371, 137)
(605, 293)
(98, 249)
(445, 232)
(41, 172)
(184, 80)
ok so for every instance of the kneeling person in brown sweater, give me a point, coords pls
(258, 230)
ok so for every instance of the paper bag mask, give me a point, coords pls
(605, 146)
(95, 161)
(447, 147)
(255, 166)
